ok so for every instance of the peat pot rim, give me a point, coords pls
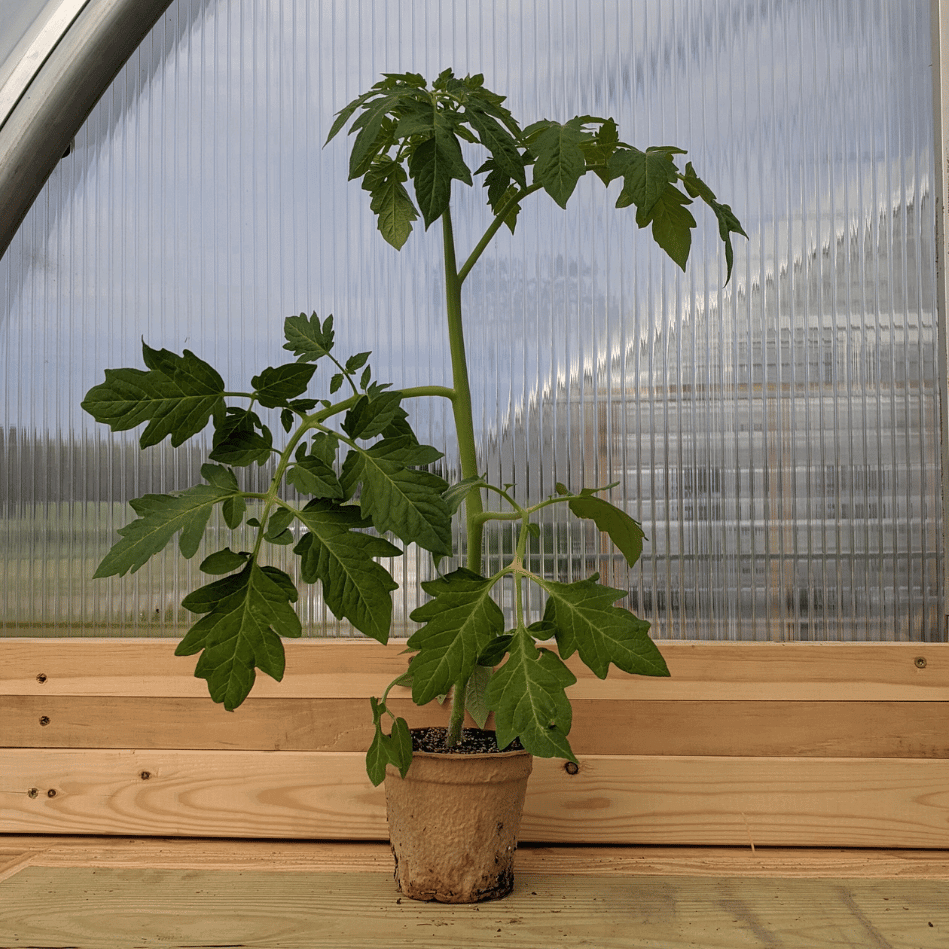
(433, 767)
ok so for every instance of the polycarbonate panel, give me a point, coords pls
(777, 437)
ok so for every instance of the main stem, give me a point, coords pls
(464, 432)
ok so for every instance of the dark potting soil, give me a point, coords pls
(474, 741)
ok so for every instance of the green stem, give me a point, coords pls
(467, 449)
(461, 404)
(418, 392)
(493, 228)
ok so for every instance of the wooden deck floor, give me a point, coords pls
(113, 893)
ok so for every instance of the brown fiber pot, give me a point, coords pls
(453, 824)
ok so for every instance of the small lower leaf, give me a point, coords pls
(626, 533)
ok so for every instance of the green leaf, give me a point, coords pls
(177, 397)
(498, 140)
(598, 151)
(336, 552)
(312, 475)
(626, 533)
(695, 186)
(475, 705)
(397, 497)
(344, 115)
(370, 417)
(389, 201)
(586, 621)
(457, 493)
(233, 510)
(306, 338)
(371, 125)
(560, 162)
(528, 698)
(161, 516)
(276, 387)
(432, 165)
(356, 362)
(646, 176)
(323, 446)
(278, 523)
(459, 623)
(672, 224)
(247, 613)
(728, 224)
(495, 651)
(240, 438)
(224, 561)
(395, 748)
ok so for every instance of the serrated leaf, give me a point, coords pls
(560, 162)
(397, 497)
(306, 338)
(223, 561)
(460, 621)
(389, 201)
(672, 224)
(598, 150)
(177, 397)
(498, 140)
(432, 177)
(277, 386)
(240, 439)
(370, 417)
(335, 552)
(528, 698)
(160, 517)
(370, 127)
(625, 532)
(587, 622)
(344, 115)
(246, 614)
(323, 446)
(728, 224)
(695, 186)
(646, 176)
(395, 748)
(312, 475)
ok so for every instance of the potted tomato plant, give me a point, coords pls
(348, 477)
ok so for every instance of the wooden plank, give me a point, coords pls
(668, 800)
(282, 856)
(114, 909)
(340, 669)
(634, 727)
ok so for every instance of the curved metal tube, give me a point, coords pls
(54, 95)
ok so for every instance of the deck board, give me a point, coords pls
(114, 908)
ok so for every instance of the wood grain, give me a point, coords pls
(115, 909)
(695, 801)
(282, 856)
(607, 726)
(346, 669)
